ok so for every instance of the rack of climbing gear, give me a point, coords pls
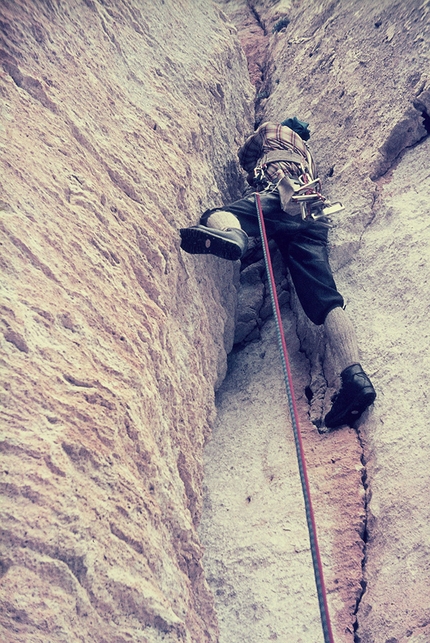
(310, 518)
(313, 205)
(306, 189)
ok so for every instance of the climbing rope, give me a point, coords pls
(316, 557)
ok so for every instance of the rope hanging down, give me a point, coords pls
(316, 558)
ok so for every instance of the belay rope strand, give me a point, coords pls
(316, 558)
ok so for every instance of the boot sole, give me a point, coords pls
(354, 410)
(200, 242)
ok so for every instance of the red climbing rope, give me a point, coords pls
(316, 557)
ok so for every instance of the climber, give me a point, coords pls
(280, 166)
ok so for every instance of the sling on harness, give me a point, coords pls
(303, 191)
(316, 558)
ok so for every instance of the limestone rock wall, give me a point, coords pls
(115, 117)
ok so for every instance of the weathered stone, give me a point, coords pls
(118, 124)
(113, 340)
(249, 303)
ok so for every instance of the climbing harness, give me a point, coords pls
(316, 558)
(306, 189)
(283, 155)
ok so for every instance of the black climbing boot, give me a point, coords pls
(228, 244)
(355, 395)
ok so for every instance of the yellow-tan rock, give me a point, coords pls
(117, 129)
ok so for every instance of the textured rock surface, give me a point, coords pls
(396, 440)
(257, 557)
(112, 340)
(357, 72)
(120, 123)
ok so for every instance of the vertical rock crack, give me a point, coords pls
(257, 17)
(365, 539)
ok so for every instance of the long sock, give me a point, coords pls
(342, 338)
(222, 220)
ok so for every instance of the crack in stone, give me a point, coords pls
(364, 537)
(257, 17)
(366, 526)
(263, 83)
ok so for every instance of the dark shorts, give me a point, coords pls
(303, 246)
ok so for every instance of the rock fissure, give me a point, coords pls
(426, 122)
(257, 17)
(365, 538)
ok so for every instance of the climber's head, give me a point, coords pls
(300, 127)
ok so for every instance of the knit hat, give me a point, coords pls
(300, 127)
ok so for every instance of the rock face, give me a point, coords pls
(112, 340)
(357, 73)
(119, 124)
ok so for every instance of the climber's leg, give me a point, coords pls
(305, 254)
(356, 392)
(341, 337)
(222, 236)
